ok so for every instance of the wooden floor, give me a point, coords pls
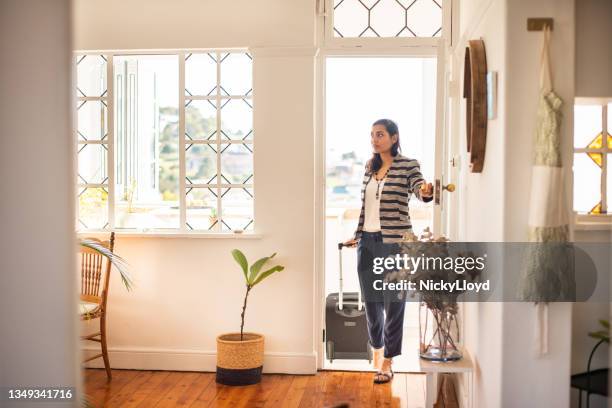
(136, 388)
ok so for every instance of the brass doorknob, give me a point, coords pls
(449, 187)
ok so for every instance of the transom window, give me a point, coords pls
(592, 157)
(387, 18)
(165, 141)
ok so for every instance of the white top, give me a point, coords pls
(371, 222)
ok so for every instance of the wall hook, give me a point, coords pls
(537, 24)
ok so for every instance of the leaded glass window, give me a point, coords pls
(592, 155)
(387, 18)
(92, 141)
(155, 156)
(219, 141)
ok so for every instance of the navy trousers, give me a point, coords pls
(385, 316)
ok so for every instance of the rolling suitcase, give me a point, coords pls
(346, 328)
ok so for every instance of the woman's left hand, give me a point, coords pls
(426, 190)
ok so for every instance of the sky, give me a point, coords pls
(361, 90)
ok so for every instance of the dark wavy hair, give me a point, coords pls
(375, 163)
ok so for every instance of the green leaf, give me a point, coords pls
(118, 262)
(605, 324)
(256, 267)
(242, 261)
(601, 335)
(267, 273)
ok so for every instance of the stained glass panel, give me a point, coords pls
(587, 183)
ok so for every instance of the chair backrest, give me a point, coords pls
(95, 271)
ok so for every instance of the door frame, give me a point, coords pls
(327, 46)
(439, 221)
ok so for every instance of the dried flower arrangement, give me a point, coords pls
(439, 330)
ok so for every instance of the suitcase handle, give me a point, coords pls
(340, 289)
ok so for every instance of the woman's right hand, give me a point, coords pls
(351, 243)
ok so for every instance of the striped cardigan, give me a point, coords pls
(403, 179)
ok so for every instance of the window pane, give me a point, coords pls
(387, 18)
(236, 163)
(236, 73)
(93, 208)
(424, 18)
(200, 74)
(91, 75)
(146, 146)
(200, 164)
(237, 119)
(587, 183)
(92, 163)
(609, 125)
(609, 183)
(237, 207)
(587, 124)
(91, 120)
(201, 209)
(406, 93)
(350, 18)
(200, 120)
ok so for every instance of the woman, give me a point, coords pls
(389, 180)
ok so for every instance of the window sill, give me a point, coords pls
(590, 222)
(169, 234)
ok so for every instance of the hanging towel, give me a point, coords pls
(547, 273)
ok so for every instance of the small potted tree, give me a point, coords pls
(240, 354)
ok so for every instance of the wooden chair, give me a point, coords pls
(95, 272)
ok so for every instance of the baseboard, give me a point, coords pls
(193, 360)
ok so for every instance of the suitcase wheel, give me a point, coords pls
(330, 350)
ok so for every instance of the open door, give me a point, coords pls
(359, 90)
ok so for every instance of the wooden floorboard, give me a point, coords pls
(141, 388)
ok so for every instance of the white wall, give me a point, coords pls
(38, 291)
(501, 336)
(482, 210)
(155, 24)
(190, 290)
(526, 378)
(593, 57)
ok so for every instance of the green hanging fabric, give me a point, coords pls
(548, 272)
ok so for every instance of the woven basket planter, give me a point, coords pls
(239, 362)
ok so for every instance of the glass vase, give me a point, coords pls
(439, 329)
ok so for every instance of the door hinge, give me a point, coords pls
(323, 335)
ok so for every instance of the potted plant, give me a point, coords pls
(240, 354)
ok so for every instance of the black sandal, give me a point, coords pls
(386, 377)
